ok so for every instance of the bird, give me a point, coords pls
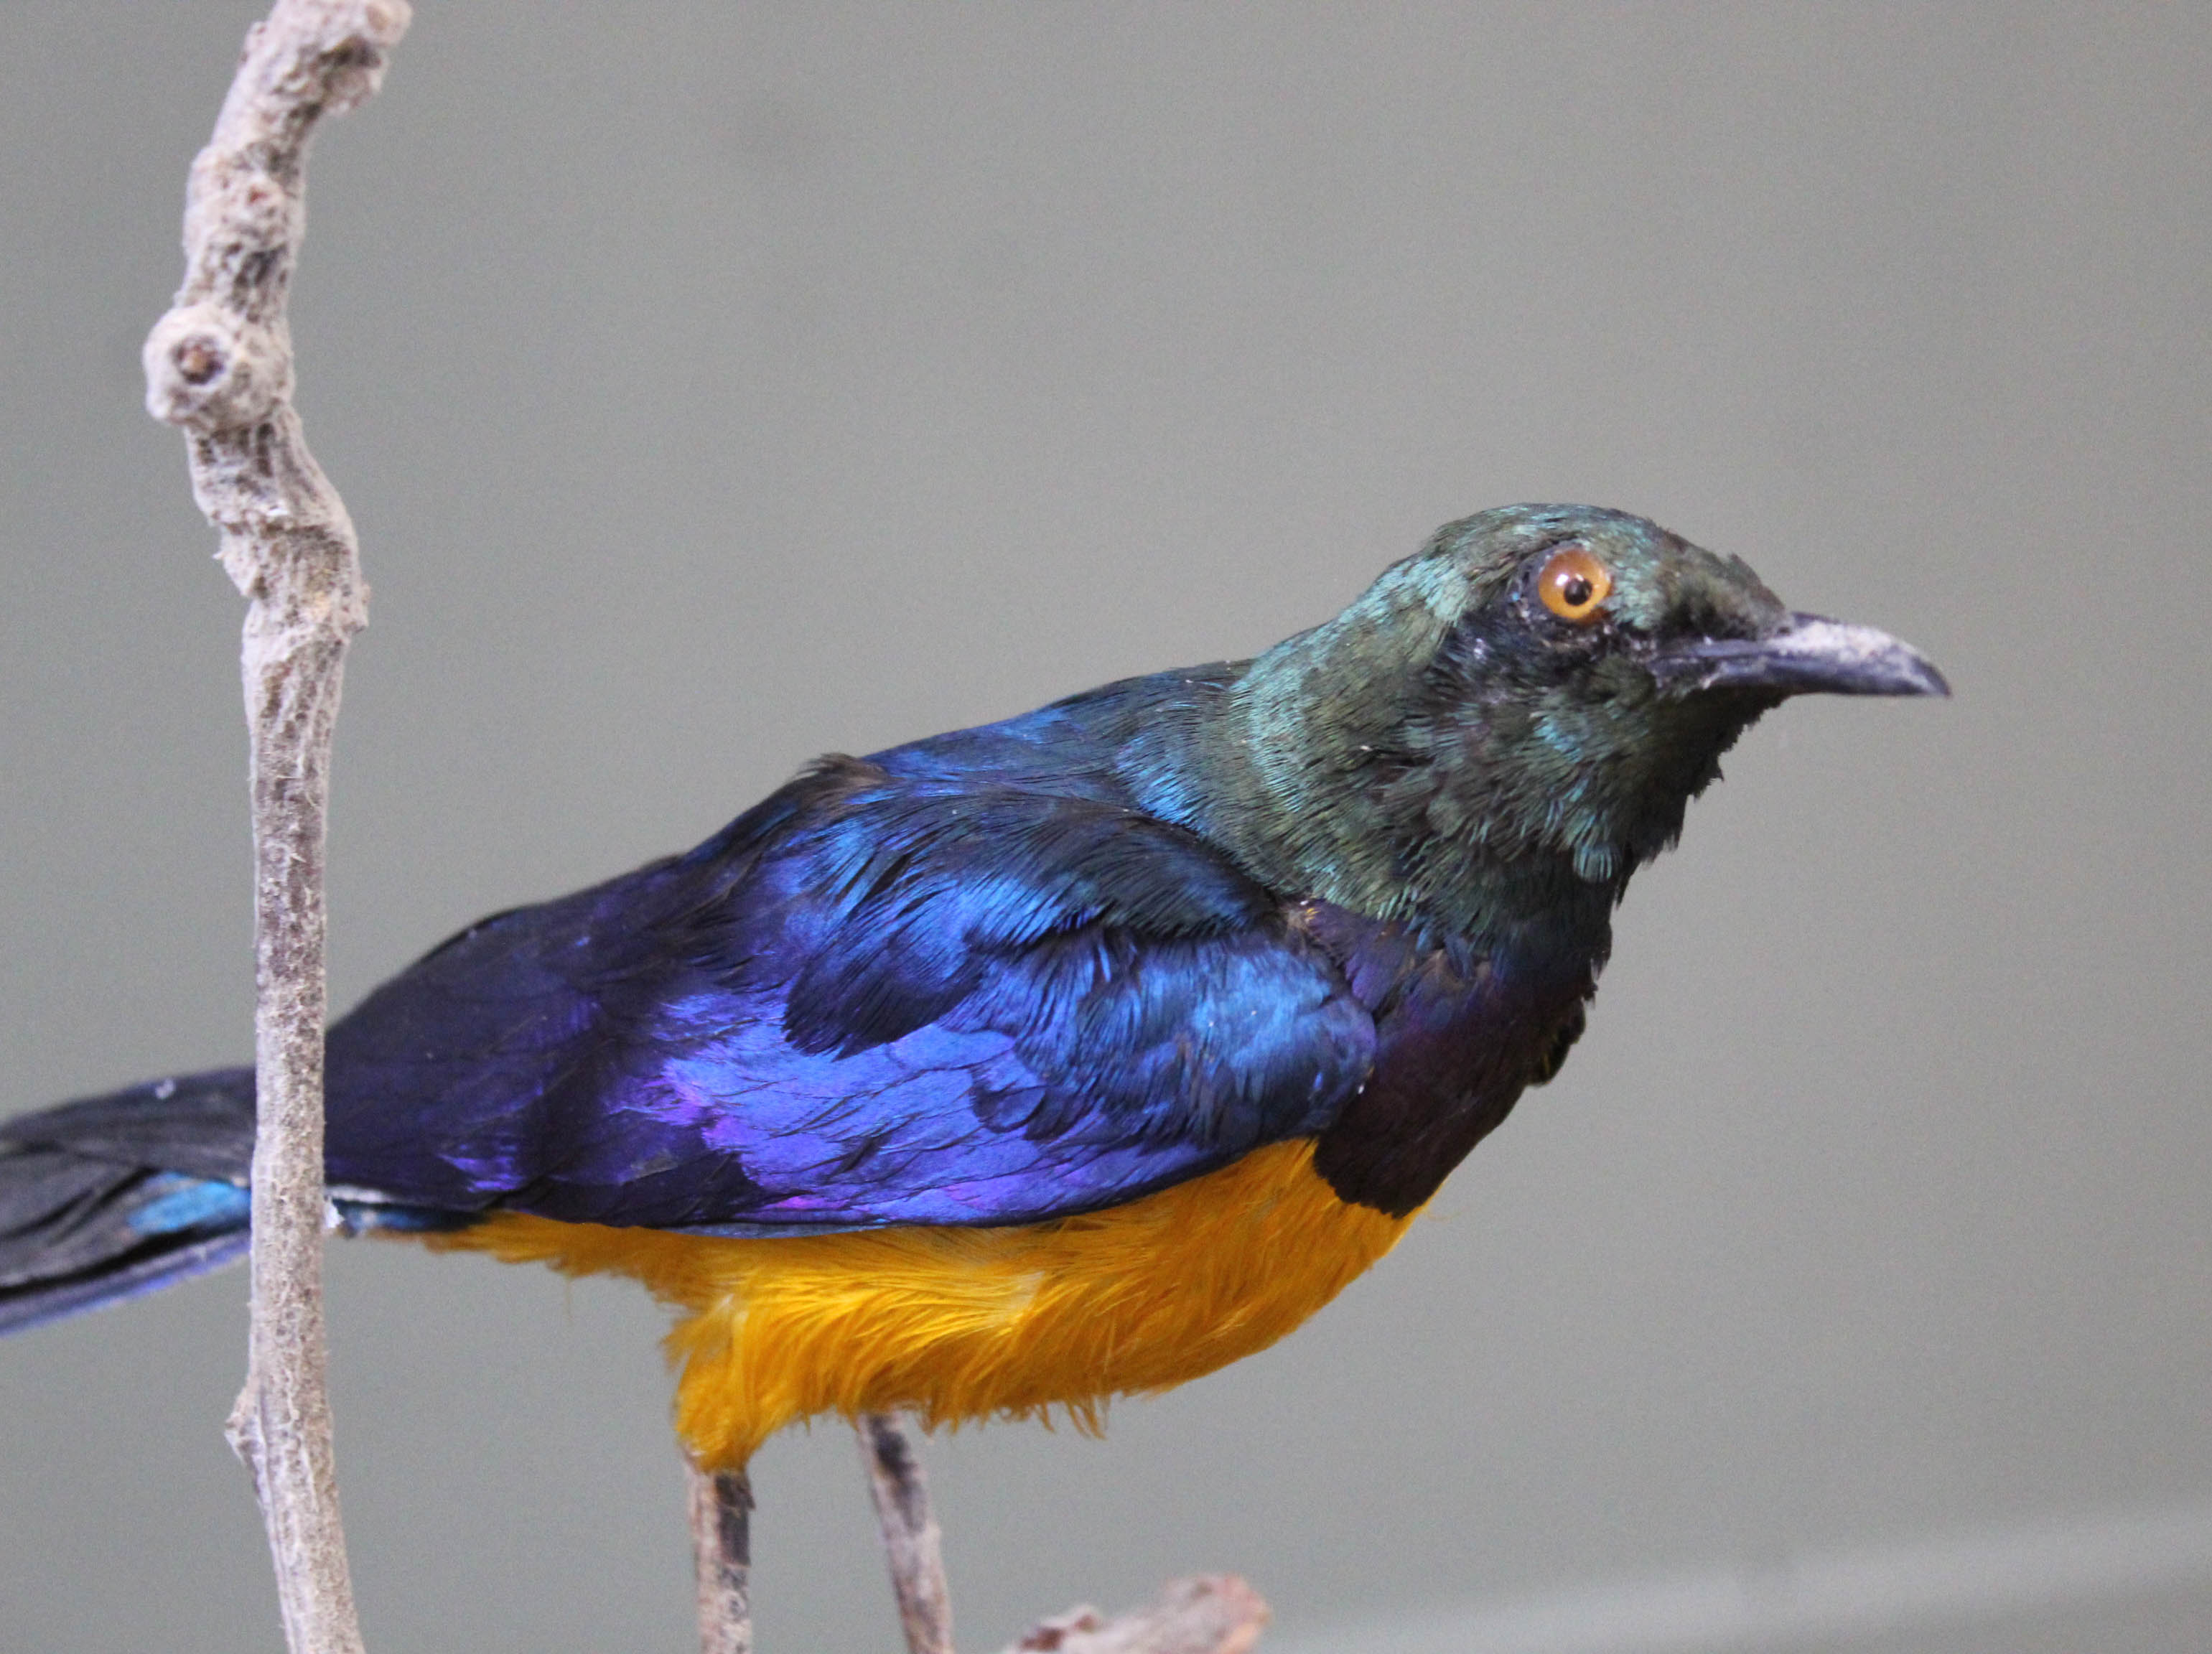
(1014, 1069)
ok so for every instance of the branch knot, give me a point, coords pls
(208, 369)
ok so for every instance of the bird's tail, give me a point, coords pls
(111, 1196)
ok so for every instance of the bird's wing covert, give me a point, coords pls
(867, 1001)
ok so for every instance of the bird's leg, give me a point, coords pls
(910, 1533)
(721, 1549)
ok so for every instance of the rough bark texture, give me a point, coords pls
(721, 1552)
(219, 364)
(1213, 1614)
(910, 1534)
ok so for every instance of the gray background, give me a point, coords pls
(718, 385)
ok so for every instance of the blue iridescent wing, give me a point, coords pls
(870, 1000)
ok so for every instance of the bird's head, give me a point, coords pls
(1519, 713)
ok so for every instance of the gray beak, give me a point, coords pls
(1809, 655)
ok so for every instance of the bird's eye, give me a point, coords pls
(1573, 583)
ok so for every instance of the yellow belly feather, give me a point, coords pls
(960, 1324)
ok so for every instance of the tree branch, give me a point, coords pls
(721, 1554)
(1213, 1614)
(219, 364)
(910, 1534)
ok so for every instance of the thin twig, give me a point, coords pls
(219, 364)
(910, 1533)
(1213, 1614)
(722, 1551)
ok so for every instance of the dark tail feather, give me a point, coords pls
(21, 1308)
(103, 1199)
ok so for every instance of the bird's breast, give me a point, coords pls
(1459, 1034)
(961, 1324)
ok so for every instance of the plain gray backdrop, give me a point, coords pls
(718, 385)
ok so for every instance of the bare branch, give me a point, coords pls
(722, 1551)
(910, 1534)
(219, 364)
(1213, 1613)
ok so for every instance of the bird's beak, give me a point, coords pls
(1809, 655)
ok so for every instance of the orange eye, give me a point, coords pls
(1574, 583)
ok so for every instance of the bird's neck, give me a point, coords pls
(1320, 783)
